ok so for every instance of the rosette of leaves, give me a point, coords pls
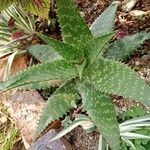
(87, 63)
(37, 7)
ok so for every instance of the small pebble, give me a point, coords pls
(137, 63)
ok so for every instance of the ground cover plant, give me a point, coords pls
(87, 62)
(15, 25)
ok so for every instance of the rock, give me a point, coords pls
(44, 143)
(128, 5)
(25, 108)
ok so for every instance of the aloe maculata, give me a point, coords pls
(87, 63)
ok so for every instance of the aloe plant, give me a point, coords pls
(135, 132)
(82, 62)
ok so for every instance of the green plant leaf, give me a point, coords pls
(116, 78)
(56, 106)
(68, 87)
(6, 3)
(68, 52)
(101, 111)
(37, 7)
(57, 70)
(74, 29)
(44, 53)
(105, 22)
(95, 46)
(123, 48)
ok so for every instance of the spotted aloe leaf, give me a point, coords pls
(117, 78)
(95, 46)
(123, 48)
(56, 106)
(101, 111)
(68, 87)
(44, 53)
(105, 22)
(68, 52)
(74, 29)
(37, 7)
(57, 70)
(6, 3)
(67, 95)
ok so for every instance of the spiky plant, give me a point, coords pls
(87, 63)
(134, 132)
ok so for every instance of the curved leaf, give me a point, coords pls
(123, 48)
(56, 106)
(101, 111)
(116, 78)
(57, 70)
(83, 122)
(105, 22)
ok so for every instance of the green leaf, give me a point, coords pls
(116, 78)
(95, 46)
(6, 3)
(37, 7)
(41, 85)
(81, 67)
(105, 22)
(68, 52)
(57, 70)
(74, 29)
(56, 106)
(44, 53)
(123, 48)
(101, 111)
(68, 87)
